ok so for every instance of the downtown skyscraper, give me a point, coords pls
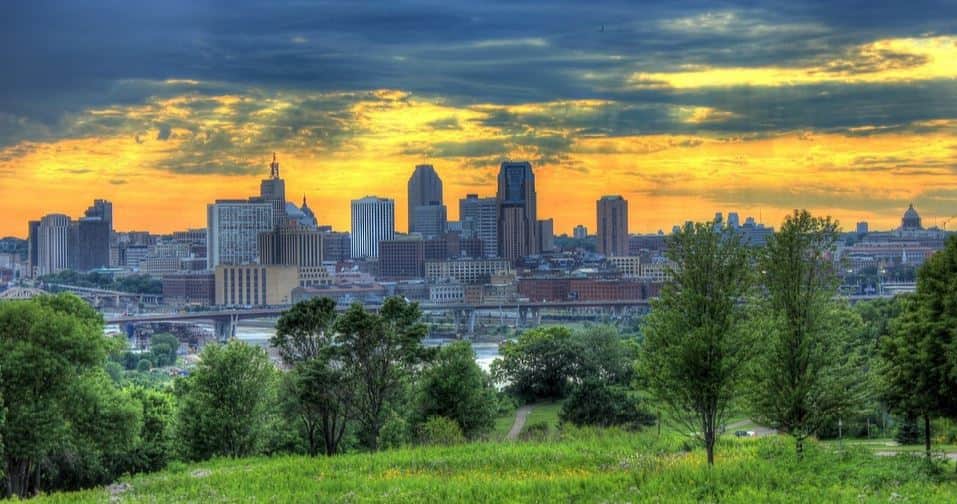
(427, 212)
(517, 211)
(612, 213)
(479, 217)
(373, 220)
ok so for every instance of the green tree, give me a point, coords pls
(155, 447)
(696, 343)
(306, 330)
(540, 364)
(163, 348)
(102, 433)
(319, 393)
(808, 371)
(46, 345)
(455, 387)
(920, 357)
(224, 404)
(380, 350)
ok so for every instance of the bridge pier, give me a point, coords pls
(225, 329)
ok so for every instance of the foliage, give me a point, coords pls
(808, 371)
(156, 436)
(306, 330)
(379, 350)
(920, 355)
(600, 404)
(696, 343)
(319, 395)
(103, 431)
(439, 430)
(163, 348)
(539, 365)
(224, 404)
(455, 387)
(47, 345)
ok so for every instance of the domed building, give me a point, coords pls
(911, 220)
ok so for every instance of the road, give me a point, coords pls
(520, 416)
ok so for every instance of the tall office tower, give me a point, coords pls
(101, 209)
(373, 220)
(429, 220)
(92, 238)
(33, 247)
(273, 191)
(612, 226)
(479, 217)
(291, 245)
(733, 220)
(232, 231)
(580, 232)
(517, 216)
(546, 235)
(53, 244)
(425, 189)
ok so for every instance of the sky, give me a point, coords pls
(684, 108)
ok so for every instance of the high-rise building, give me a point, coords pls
(517, 217)
(233, 228)
(425, 189)
(33, 247)
(373, 220)
(402, 257)
(733, 220)
(273, 191)
(101, 209)
(862, 227)
(92, 238)
(53, 244)
(612, 226)
(429, 220)
(291, 245)
(479, 217)
(580, 232)
(546, 235)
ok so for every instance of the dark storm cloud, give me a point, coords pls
(65, 58)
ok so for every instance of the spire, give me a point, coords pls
(274, 167)
(304, 205)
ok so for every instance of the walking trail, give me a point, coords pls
(520, 416)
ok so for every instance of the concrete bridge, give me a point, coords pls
(464, 315)
(524, 314)
(96, 296)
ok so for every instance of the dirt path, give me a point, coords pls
(520, 416)
(759, 431)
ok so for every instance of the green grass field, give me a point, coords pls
(579, 466)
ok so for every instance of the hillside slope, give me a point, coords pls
(583, 467)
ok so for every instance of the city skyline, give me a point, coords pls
(683, 109)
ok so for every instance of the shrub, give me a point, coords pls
(440, 431)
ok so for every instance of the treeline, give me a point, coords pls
(137, 284)
(763, 331)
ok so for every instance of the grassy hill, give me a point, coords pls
(581, 466)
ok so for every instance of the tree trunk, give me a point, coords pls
(709, 436)
(19, 478)
(927, 434)
(799, 446)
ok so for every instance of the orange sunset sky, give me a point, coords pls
(683, 111)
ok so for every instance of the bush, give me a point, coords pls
(440, 431)
(602, 405)
(536, 431)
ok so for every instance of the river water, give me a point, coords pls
(485, 353)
